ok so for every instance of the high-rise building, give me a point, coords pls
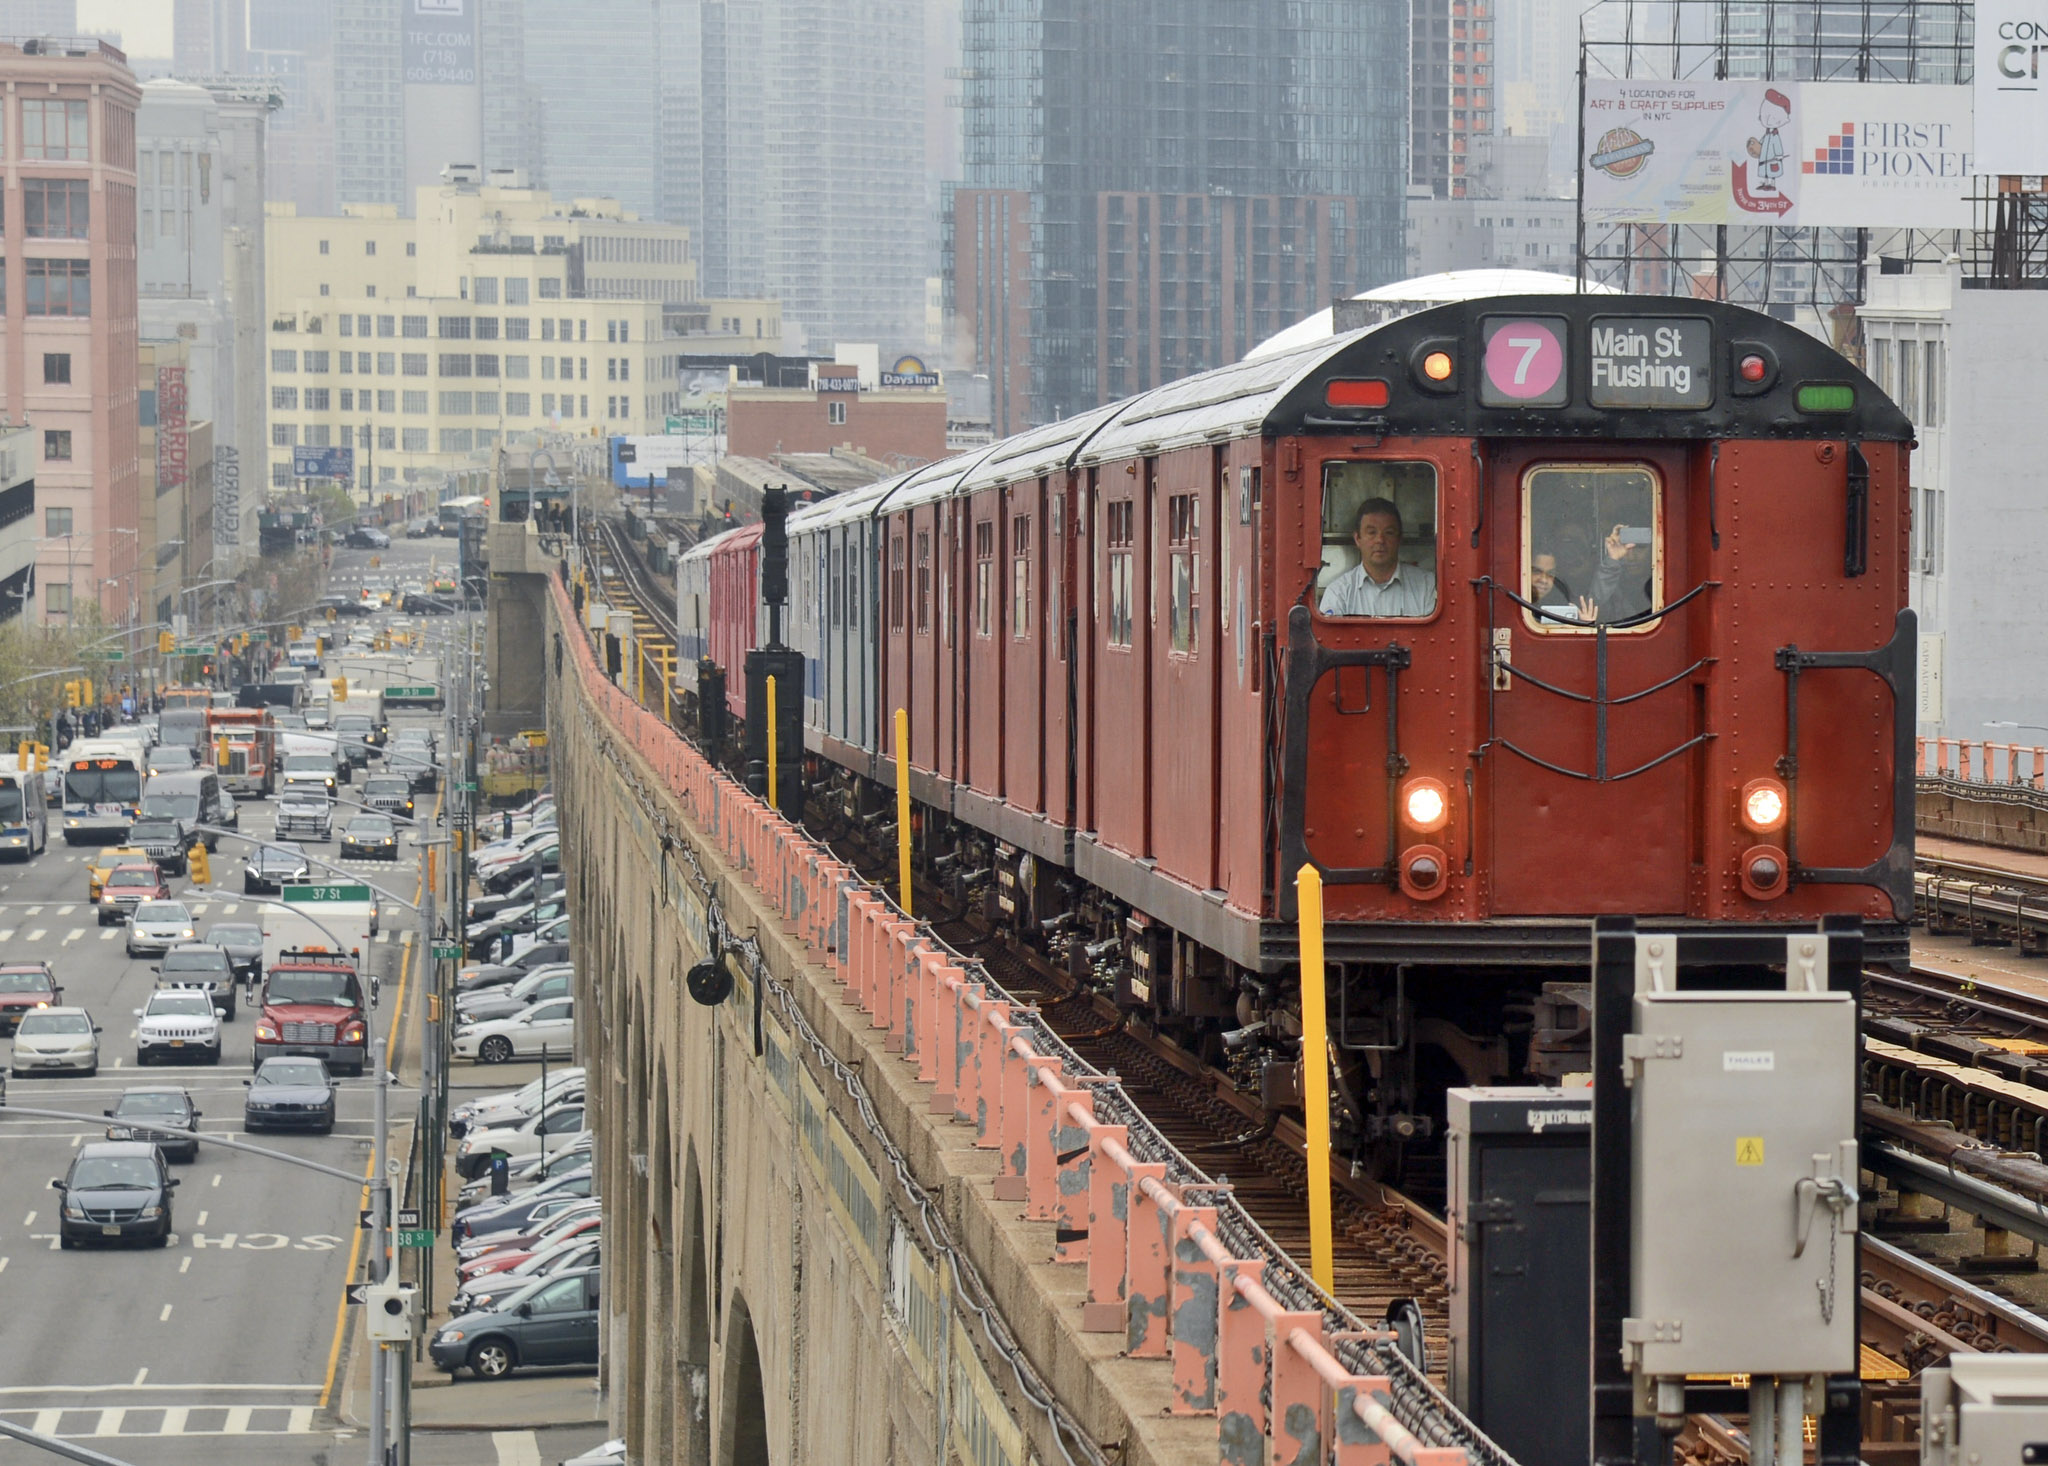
(1451, 91)
(369, 103)
(1153, 186)
(69, 368)
(208, 37)
(20, 18)
(511, 106)
(598, 103)
(293, 42)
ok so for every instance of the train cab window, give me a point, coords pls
(1379, 540)
(924, 582)
(1592, 546)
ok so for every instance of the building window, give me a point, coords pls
(348, 400)
(550, 288)
(1928, 509)
(56, 368)
(56, 131)
(411, 248)
(323, 287)
(284, 399)
(835, 413)
(454, 328)
(280, 475)
(547, 404)
(486, 290)
(415, 326)
(316, 361)
(486, 404)
(1119, 537)
(1908, 396)
(516, 328)
(56, 522)
(414, 363)
(518, 367)
(369, 292)
(455, 404)
(1184, 567)
(387, 363)
(585, 409)
(1020, 576)
(369, 246)
(387, 400)
(486, 328)
(59, 287)
(547, 328)
(56, 208)
(611, 369)
(387, 439)
(515, 291)
(345, 324)
(387, 325)
(547, 368)
(486, 364)
(283, 434)
(415, 401)
(318, 399)
(284, 361)
(57, 599)
(456, 440)
(323, 246)
(582, 368)
(518, 404)
(319, 435)
(413, 440)
(455, 364)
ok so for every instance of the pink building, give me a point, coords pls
(68, 352)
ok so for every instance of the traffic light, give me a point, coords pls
(71, 694)
(340, 685)
(165, 642)
(200, 869)
(85, 690)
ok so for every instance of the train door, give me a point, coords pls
(1593, 715)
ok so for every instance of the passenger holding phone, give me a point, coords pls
(1621, 583)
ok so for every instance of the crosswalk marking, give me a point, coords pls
(66, 910)
(516, 1447)
(74, 934)
(106, 935)
(35, 936)
(96, 1422)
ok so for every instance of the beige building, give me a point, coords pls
(177, 570)
(494, 311)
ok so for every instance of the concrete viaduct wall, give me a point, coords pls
(770, 1300)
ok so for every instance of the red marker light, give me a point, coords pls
(1753, 368)
(1437, 366)
(1369, 392)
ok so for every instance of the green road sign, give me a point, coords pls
(116, 655)
(419, 1238)
(313, 895)
(259, 635)
(447, 952)
(193, 651)
(414, 692)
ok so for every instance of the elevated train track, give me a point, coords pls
(1393, 1248)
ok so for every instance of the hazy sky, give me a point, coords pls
(145, 25)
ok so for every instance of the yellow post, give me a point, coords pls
(1315, 1075)
(903, 805)
(774, 728)
(640, 671)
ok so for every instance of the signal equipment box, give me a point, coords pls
(1520, 1223)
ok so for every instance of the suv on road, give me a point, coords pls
(165, 842)
(202, 967)
(177, 1024)
(25, 987)
(304, 812)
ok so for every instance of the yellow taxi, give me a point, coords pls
(97, 867)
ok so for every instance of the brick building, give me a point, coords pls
(895, 424)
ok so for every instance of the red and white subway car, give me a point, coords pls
(1503, 615)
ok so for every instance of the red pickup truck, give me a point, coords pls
(25, 987)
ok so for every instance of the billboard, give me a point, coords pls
(173, 438)
(2012, 104)
(334, 463)
(1813, 154)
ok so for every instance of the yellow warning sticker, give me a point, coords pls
(1749, 1150)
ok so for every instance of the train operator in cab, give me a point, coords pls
(1379, 584)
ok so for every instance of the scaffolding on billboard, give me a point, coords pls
(1813, 276)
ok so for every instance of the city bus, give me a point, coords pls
(474, 506)
(102, 790)
(24, 815)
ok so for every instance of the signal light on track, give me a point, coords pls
(1763, 805)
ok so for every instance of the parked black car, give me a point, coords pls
(116, 1191)
(552, 1321)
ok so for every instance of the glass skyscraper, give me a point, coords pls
(1153, 186)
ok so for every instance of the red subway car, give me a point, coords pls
(1504, 615)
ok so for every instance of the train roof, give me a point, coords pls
(705, 548)
(840, 508)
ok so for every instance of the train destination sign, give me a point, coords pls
(1524, 362)
(1650, 362)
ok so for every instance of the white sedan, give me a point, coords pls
(56, 1040)
(158, 926)
(545, 1028)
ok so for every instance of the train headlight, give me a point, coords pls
(1763, 806)
(1425, 805)
(1423, 871)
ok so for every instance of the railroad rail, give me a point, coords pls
(1986, 903)
(1391, 1249)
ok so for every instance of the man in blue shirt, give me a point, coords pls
(1379, 584)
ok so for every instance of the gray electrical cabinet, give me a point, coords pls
(1984, 1410)
(1520, 1164)
(1744, 1143)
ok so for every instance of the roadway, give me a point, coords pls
(223, 1346)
